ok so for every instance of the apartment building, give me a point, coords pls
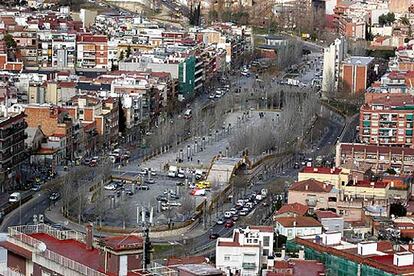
(63, 50)
(387, 121)
(246, 251)
(43, 250)
(297, 226)
(92, 51)
(332, 58)
(314, 194)
(362, 157)
(334, 176)
(357, 73)
(12, 149)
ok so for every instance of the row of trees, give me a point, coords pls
(296, 116)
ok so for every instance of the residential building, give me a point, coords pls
(314, 194)
(290, 210)
(387, 121)
(334, 176)
(366, 189)
(330, 221)
(362, 157)
(357, 74)
(246, 251)
(43, 250)
(332, 58)
(296, 267)
(297, 226)
(12, 149)
(92, 51)
(63, 50)
(364, 258)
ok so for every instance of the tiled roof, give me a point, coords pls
(326, 214)
(311, 185)
(296, 208)
(299, 221)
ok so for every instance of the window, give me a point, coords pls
(266, 241)
(266, 252)
(289, 233)
(227, 257)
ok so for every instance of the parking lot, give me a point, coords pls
(168, 197)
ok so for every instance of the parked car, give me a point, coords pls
(235, 218)
(149, 181)
(143, 187)
(229, 224)
(110, 187)
(228, 214)
(162, 198)
(36, 188)
(129, 192)
(54, 196)
(220, 222)
(243, 213)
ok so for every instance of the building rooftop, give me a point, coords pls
(299, 221)
(357, 60)
(321, 170)
(72, 249)
(296, 208)
(311, 185)
(326, 214)
(200, 269)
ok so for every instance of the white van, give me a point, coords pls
(15, 197)
(228, 214)
(172, 171)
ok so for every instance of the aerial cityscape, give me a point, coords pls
(206, 137)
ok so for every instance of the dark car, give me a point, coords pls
(214, 236)
(234, 218)
(118, 193)
(180, 183)
(229, 224)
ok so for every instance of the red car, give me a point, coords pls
(229, 224)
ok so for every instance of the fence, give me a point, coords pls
(21, 235)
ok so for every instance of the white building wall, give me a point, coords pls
(293, 232)
(232, 258)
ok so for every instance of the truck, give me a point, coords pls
(172, 171)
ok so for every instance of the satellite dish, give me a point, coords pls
(41, 247)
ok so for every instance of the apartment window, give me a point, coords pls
(266, 241)
(289, 233)
(374, 123)
(401, 124)
(227, 257)
(266, 252)
(44, 273)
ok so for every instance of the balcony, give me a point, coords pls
(19, 235)
(248, 265)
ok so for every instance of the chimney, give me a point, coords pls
(372, 184)
(324, 185)
(89, 236)
(294, 223)
(392, 184)
(306, 187)
(315, 169)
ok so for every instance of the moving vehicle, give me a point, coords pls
(15, 197)
(214, 236)
(203, 185)
(229, 224)
(143, 187)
